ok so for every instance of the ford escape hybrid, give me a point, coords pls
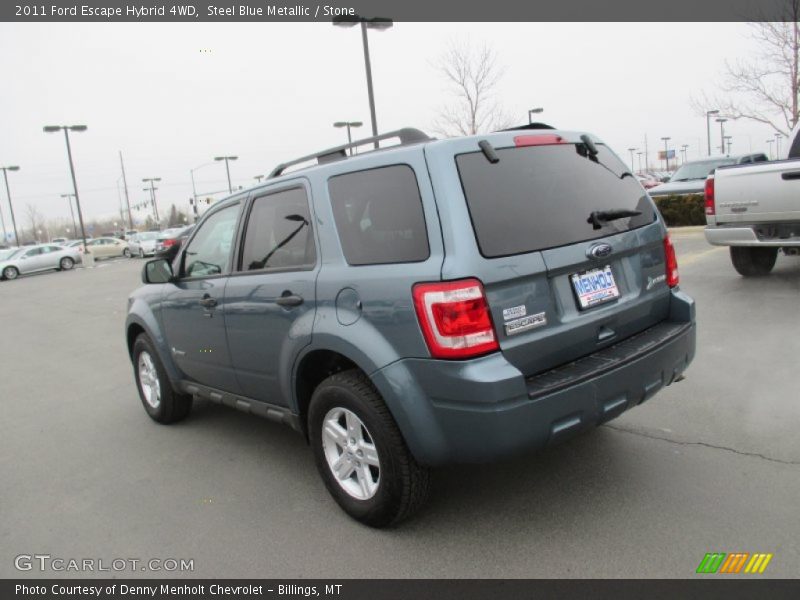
(431, 302)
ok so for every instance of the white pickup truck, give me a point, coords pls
(755, 209)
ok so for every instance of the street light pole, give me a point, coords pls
(769, 144)
(632, 150)
(639, 156)
(778, 137)
(71, 213)
(721, 121)
(227, 169)
(708, 126)
(258, 178)
(67, 129)
(728, 139)
(127, 198)
(684, 150)
(380, 24)
(666, 151)
(10, 206)
(534, 111)
(348, 124)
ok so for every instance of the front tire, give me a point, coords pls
(10, 273)
(66, 263)
(141, 253)
(160, 401)
(753, 262)
(126, 253)
(361, 454)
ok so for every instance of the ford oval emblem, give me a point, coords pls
(599, 251)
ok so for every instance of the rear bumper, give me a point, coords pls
(485, 409)
(745, 236)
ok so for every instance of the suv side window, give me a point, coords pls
(278, 234)
(379, 216)
(209, 251)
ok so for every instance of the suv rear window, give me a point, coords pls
(379, 216)
(539, 197)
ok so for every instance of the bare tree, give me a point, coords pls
(472, 74)
(767, 88)
(35, 220)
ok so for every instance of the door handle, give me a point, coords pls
(207, 301)
(289, 299)
(790, 175)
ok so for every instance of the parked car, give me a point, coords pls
(438, 301)
(144, 243)
(755, 210)
(690, 177)
(108, 247)
(647, 181)
(170, 239)
(59, 241)
(32, 259)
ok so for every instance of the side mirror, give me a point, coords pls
(157, 271)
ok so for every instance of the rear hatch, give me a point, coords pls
(572, 253)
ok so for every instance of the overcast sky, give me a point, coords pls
(270, 92)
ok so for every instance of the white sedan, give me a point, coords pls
(31, 259)
(144, 243)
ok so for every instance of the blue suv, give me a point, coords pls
(426, 303)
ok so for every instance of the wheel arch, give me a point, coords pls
(312, 368)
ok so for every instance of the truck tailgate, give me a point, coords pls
(762, 192)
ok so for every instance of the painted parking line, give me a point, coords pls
(691, 258)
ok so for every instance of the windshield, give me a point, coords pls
(6, 254)
(147, 235)
(700, 170)
(541, 197)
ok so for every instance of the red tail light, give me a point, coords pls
(671, 262)
(455, 318)
(709, 195)
(170, 242)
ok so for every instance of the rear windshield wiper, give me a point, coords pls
(598, 217)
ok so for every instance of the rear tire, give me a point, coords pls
(126, 253)
(66, 264)
(160, 401)
(10, 273)
(351, 430)
(753, 262)
(141, 253)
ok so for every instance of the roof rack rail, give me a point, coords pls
(406, 136)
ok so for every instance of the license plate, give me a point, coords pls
(595, 287)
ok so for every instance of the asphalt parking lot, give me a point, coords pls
(710, 464)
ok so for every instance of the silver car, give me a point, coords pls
(144, 243)
(32, 259)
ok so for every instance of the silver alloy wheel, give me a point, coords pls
(66, 263)
(351, 453)
(148, 379)
(10, 273)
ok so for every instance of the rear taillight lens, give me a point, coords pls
(170, 242)
(709, 196)
(671, 262)
(455, 319)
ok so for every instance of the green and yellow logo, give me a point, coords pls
(735, 562)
